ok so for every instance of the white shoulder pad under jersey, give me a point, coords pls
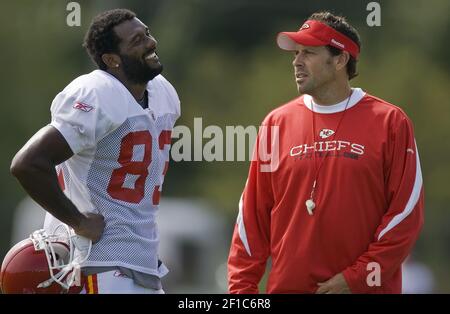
(159, 88)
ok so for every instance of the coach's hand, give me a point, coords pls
(91, 227)
(335, 285)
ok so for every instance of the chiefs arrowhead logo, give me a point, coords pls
(304, 26)
(82, 107)
(324, 133)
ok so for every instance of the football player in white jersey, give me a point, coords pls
(99, 165)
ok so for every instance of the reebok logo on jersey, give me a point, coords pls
(119, 274)
(410, 150)
(82, 107)
(324, 133)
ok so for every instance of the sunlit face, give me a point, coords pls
(313, 67)
(137, 51)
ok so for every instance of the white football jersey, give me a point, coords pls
(121, 154)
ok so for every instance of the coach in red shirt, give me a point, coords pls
(342, 204)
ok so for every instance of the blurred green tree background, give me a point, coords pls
(222, 58)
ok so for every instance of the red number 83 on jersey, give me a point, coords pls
(138, 168)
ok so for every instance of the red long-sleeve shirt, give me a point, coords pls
(369, 199)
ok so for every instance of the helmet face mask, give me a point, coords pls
(43, 263)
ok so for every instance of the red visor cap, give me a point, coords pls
(315, 33)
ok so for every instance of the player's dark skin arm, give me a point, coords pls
(34, 167)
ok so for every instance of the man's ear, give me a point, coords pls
(112, 60)
(342, 60)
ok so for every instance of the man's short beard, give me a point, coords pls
(137, 71)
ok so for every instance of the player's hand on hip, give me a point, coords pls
(91, 227)
(335, 285)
